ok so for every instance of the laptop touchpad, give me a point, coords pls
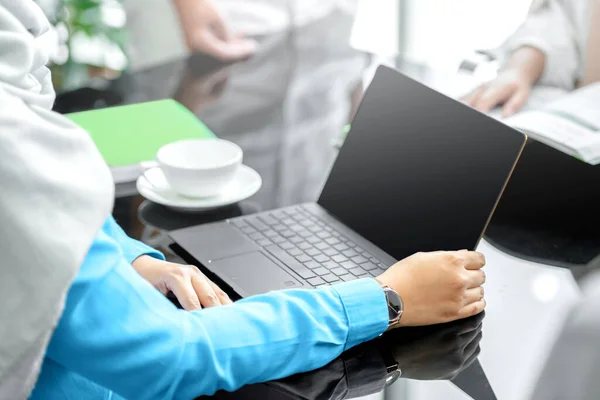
(253, 273)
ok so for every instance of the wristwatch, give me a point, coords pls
(395, 306)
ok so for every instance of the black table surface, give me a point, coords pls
(286, 107)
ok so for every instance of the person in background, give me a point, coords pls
(558, 45)
(120, 337)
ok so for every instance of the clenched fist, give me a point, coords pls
(438, 287)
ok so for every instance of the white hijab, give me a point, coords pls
(55, 193)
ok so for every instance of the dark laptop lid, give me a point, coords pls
(419, 171)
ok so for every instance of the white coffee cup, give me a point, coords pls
(199, 167)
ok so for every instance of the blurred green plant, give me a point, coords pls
(81, 17)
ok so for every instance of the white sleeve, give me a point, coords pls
(548, 27)
(55, 193)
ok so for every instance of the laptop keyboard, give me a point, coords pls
(310, 247)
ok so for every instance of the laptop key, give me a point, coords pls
(305, 234)
(248, 230)
(378, 271)
(339, 271)
(303, 258)
(339, 258)
(359, 259)
(316, 281)
(296, 228)
(238, 223)
(349, 253)
(358, 249)
(268, 220)
(312, 264)
(321, 258)
(296, 240)
(279, 214)
(332, 241)
(257, 224)
(348, 277)
(264, 242)
(313, 239)
(278, 240)
(288, 221)
(340, 247)
(304, 246)
(323, 234)
(256, 236)
(330, 278)
(287, 233)
(358, 271)
(348, 265)
(330, 264)
(294, 252)
(270, 233)
(321, 271)
(368, 266)
(279, 227)
(290, 262)
(287, 245)
(321, 246)
(330, 252)
(312, 252)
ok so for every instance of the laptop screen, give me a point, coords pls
(419, 171)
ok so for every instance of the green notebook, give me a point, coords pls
(128, 136)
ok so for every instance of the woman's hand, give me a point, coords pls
(192, 289)
(512, 87)
(206, 31)
(438, 287)
(510, 90)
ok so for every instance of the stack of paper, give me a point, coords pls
(570, 124)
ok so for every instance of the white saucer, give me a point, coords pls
(154, 187)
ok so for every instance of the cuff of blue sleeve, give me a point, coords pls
(366, 309)
(134, 249)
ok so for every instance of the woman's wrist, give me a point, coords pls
(528, 62)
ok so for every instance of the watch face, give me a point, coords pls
(395, 306)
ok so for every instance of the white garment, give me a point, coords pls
(55, 194)
(155, 36)
(559, 28)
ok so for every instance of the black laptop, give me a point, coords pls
(418, 172)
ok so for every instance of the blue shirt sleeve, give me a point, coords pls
(121, 333)
(130, 247)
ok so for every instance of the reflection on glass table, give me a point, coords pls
(440, 352)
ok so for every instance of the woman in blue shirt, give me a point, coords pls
(118, 336)
(118, 333)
